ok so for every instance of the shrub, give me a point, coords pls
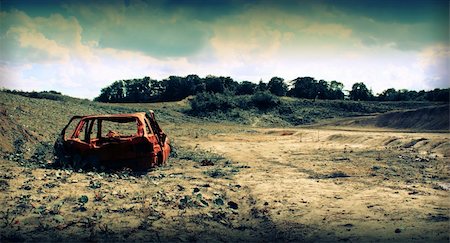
(49, 95)
(208, 102)
(264, 100)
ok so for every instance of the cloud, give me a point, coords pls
(141, 26)
(39, 39)
(48, 53)
(410, 26)
(434, 62)
(414, 11)
(82, 48)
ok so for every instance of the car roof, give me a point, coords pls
(139, 115)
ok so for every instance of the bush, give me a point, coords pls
(265, 100)
(49, 95)
(263, 106)
(208, 102)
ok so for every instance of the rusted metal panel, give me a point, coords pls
(114, 141)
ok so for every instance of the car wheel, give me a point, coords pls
(92, 161)
(160, 158)
(78, 162)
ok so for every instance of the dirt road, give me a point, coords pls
(327, 184)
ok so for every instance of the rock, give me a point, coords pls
(83, 199)
(232, 205)
(219, 201)
(206, 162)
(26, 187)
(185, 202)
(128, 207)
(442, 186)
(95, 184)
(398, 230)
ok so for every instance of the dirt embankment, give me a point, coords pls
(12, 134)
(429, 118)
(436, 118)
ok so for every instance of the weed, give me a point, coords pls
(8, 218)
(196, 155)
(4, 185)
(216, 173)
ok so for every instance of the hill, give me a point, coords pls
(267, 110)
(434, 118)
(31, 123)
(428, 118)
(28, 123)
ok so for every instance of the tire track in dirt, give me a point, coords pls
(286, 178)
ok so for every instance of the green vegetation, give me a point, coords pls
(49, 95)
(274, 110)
(177, 88)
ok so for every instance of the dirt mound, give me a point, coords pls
(429, 118)
(12, 134)
(281, 132)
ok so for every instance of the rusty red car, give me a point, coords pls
(135, 141)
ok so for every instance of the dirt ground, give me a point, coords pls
(344, 184)
(299, 184)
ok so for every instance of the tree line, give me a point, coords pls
(177, 88)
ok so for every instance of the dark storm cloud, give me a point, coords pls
(411, 11)
(33, 8)
(419, 22)
(207, 10)
(170, 28)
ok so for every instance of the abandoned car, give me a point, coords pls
(133, 140)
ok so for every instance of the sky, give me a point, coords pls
(79, 47)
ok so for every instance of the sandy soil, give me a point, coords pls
(346, 183)
(310, 185)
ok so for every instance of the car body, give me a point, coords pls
(114, 141)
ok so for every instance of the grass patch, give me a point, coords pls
(271, 110)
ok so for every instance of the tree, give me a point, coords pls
(105, 95)
(360, 92)
(156, 90)
(214, 84)
(197, 83)
(388, 95)
(304, 87)
(277, 86)
(438, 95)
(262, 86)
(176, 88)
(230, 85)
(137, 90)
(246, 88)
(114, 93)
(322, 89)
(336, 92)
